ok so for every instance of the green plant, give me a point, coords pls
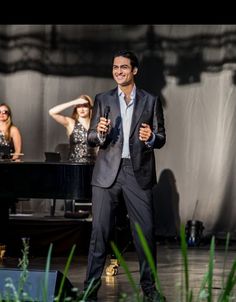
(18, 294)
(65, 272)
(23, 265)
(11, 292)
(150, 261)
(205, 293)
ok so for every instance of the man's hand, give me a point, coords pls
(103, 126)
(145, 132)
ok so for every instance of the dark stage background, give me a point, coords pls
(191, 66)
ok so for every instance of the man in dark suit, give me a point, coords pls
(127, 124)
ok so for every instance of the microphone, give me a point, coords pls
(106, 113)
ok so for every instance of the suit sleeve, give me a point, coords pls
(158, 125)
(93, 139)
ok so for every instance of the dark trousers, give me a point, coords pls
(139, 208)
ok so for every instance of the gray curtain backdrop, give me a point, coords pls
(191, 66)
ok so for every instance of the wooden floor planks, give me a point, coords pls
(170, 271)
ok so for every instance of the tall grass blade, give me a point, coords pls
(210, 269)
(128, 274)
(65, 272)
(47, 268)
(190, 295)
(225, 259)
(185, 261)
(202, 291)
(89, 290)
(149, 257)
(230, 283)
(23, 265)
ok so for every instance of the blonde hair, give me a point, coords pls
(86, 98)
(9, 122)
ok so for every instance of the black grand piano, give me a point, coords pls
(52, 180)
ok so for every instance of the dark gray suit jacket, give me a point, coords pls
(147, 109)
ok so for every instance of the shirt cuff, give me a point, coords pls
(101, 138)
(151, 141)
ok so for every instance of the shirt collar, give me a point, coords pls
(132, 95)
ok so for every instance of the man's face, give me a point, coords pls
(122, 71)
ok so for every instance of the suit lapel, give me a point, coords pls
(114, 103)
(116, 116)
(139, 106)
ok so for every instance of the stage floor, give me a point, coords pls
(169, 271)
(63, 233)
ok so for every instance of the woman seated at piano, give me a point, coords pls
(10, 143)
(10, 137)
(77, 126)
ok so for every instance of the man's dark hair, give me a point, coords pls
(129, 55)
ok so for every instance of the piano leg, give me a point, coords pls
(4, 226)
(52, 207)
(69, 205)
